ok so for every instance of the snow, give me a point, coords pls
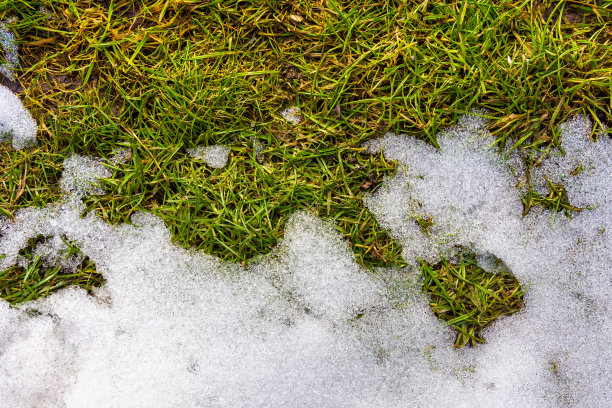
(588, 159)
(306, 325)
(215, 156)
(55, 251)
(292, 115)
(175, 327)
(81, 175)
(469, 192)
(15, 121)
(9, 45)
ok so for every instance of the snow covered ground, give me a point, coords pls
(306, 325)
(215, 156)
(16, 122)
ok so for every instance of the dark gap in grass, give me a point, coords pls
(468, 298)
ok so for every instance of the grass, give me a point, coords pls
(556, 200)
(161, 77)
(35, 279)
(468, 298)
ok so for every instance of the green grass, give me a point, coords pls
(556, 200)
(35, 279)
(160, 77)
(468, 298)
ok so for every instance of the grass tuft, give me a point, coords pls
(468, 298)
(35, 279)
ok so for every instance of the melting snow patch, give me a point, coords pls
(559, 343)
(306, 325)
(15, 121)
(178, 328)
(292, 114)
(81, 175)
(215, 156)
(7, 40)
(582, 167)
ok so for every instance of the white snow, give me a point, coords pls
(306, 326)
(9, 45)
(81, 175)
(15, 121)
(292, 114)
(215, 156)
(468, 190)
(55, 251)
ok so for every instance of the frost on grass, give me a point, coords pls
(215, 156)
(292, 114)
(120, 156)
(306, 326)
(81, 175)
(9, 45)
(16, 123)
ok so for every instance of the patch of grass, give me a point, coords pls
(468, 298)
(35, 280)
(555, 201)
(239, 211)
(29, 178)
(425, 224)
(159, 77)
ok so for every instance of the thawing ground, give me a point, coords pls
(306, 325)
